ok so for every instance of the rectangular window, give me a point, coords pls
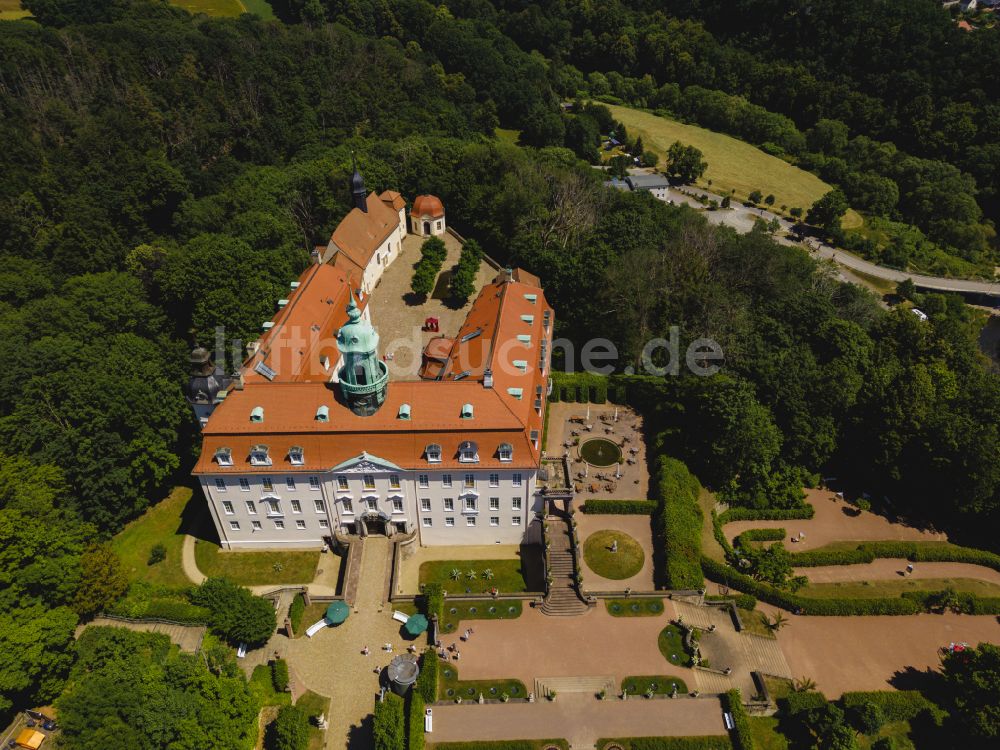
(290, 483)
(296, 456)
(516, 480)
(234, 525)
(244, 484)
(371, 504)
(341, 483)
(446, 480)
(255, 525)
(449, 521)
(279, 525)
(397, 505)
(427, 522)
(423, 481)
(296, 506)
(515, 503)
(494, 520)
(425, 504)
(368, 481)
(449, 503)
(318, 505)
(273, 508)
(470, 521)
(515, 521)
(220, 484)
(470, 481)
(347, 506)
(494, 503)
(324, 524)
(251, 508)
(314, 483)
(300, 525)
(266, 484)
(228, 507)
(394, 481)
(506, 454)
(470, 503)
(494, 480)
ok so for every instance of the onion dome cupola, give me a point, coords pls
(364, 378)
(207, 384)
(358, 191)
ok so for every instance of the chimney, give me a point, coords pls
(488, 378)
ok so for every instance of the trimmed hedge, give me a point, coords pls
(499, 744)
(760, 535)
(866, 552)
(279, 675)
(415, 722)
(296, 611)
(433, 600)
(796, 703)
(742, 736)
(743, 601)
(720, 537)
(677, 523)
(767, 514)
(712, 742)
(427, 681)
(619, 507)
(389, 724)
(896, 705)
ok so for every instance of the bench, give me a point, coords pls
(401, 616)
(727, 718)
(315, 628)
(241, 651)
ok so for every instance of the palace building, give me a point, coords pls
(312, 436)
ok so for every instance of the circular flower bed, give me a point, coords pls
(625, 562)
(600, 452)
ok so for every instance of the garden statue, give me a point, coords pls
(614, 545)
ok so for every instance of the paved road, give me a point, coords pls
(742, 218)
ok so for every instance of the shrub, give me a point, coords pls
(427, 681)
(884, 743)
(237, 614)
(463, 278)
(296, 611)
(677, 523)
(746, 601)
(796, 703)
(415, 722)
(157, 554)
(895, 705)
(290, 730)
(389, 724)
(433, 600)
(866, 717)
(742, 736)
(620, 507)
(767, 514)
(760, 535)
(432, 256)
(279, 675)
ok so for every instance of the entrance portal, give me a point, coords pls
(375, 526)
(427, 228)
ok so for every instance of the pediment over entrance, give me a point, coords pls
(365, 464)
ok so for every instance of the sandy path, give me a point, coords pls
(890, 569)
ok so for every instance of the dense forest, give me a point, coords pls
(164, 174)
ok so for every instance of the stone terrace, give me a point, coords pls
(398, 317)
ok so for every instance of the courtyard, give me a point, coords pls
(571, 426)
(399, 316)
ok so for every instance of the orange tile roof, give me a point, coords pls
(427, 205)
(359, 234)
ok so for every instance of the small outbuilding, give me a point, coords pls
(31, 739)
(427, 216)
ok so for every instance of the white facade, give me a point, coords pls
(467, 505)
(386, 253)
(427, 226)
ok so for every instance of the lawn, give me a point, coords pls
(161, 524)
(261, 8)
(624, 563)
(732, 164)
(764, 730)
(212, 7)
(262, 568)
(456, 612)
(262, 688)
(659, 684)
(10, 10)
(778, 687)
(671, 643)
(454, 575)
(314, 704)
(508, 136)
(634, 607)
(451, 688)
(899, 731)
(894, 587)
(753, 622)
(312, 614)
(710, 546)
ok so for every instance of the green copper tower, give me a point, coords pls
(364, 377)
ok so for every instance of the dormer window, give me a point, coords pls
(296, 455)
(506, 452)
(259, 457)
(466, 411)
(323, 414)
(257, 414)
(404, 411)
(468, 452)
(516, 392)
(521, 365)
(433, 452)
(224, 456)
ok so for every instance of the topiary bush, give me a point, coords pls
(866, 717)
(415, 722)
(279, 675)
(296, 612)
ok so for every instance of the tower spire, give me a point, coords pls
(358, 191)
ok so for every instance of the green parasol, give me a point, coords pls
(337, 612)
(416, 625)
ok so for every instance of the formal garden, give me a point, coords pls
(450, 687)
(634, 607)
(613, 554)
(475, 576)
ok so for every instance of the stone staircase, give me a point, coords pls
(563, 685)
(563, 599)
